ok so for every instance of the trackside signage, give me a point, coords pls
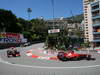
(54, 31)
(12, 38)
(97, 49)
(9, 40)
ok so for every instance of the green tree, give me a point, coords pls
(38, 25)
(39, 28)
(8, 21)
(25, 28)
(24, 24)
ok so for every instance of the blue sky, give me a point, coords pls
(62, 8)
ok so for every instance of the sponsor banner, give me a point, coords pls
(23, 40)
(9, 35)
(54, 31)
(9, 40)
(12, 38)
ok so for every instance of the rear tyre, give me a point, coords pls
(64, 59)
(8, 56)
(76, 58)
(88, 57)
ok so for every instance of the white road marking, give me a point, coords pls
(29, 54)
(46, 67)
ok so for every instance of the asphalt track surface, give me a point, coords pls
(25, 65)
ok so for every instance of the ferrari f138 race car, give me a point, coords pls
(12, 52)
(71, 55)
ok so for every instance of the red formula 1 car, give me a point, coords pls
(12, 53)
(71, 55)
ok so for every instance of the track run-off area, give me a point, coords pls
(26, 65)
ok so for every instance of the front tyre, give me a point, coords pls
(61, 56)
(77, 58)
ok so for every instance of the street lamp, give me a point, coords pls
(41, 17)
(52, 2)
(29, 10)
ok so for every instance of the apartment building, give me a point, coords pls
(64, 23)
(88, 21)
(92, 21)
(95, 10)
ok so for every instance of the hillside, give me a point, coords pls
(75, 19)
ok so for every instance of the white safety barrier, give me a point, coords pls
(29, 54)
(44, 57)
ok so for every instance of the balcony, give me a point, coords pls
(96, 17)
(94, 3)
(96, 40)
(95, 25)
(96, 32)
(93, 10)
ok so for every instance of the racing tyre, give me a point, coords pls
(76, 58)
(64, 59)
(61, 56)
(88, 57)
(8, 56)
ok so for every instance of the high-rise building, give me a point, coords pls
(92, 21)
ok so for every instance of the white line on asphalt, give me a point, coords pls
(45, 67)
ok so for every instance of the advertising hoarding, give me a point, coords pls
(54, 31)
(12, 38)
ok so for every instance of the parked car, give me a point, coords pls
(26, 44)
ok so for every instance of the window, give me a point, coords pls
(86, 27)
(95, 7)
(86, 1)
(87, 36)
(85, 14)
(96, 13)
(86, 19)
(85, 7)
(86, 24)
(86, 32)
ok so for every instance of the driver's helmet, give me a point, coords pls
(12, 48)
(70, 51)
